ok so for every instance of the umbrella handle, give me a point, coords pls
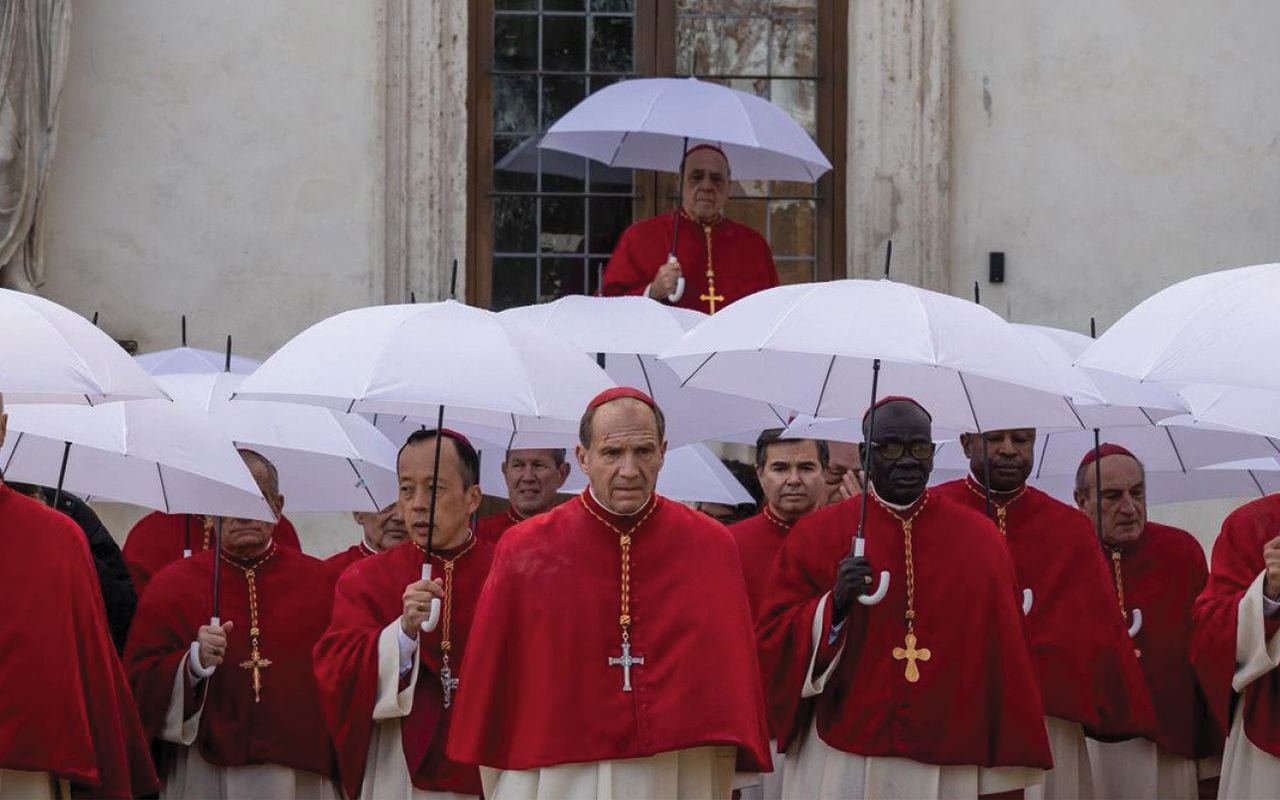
(1027, 600)
(215, 621)
(186, 552)
(859, 548)
(433, 617)
(1137, 623)
(675, 296)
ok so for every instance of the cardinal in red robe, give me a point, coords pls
(387, 686)
(158, 539)
(791, 474)
(232, 703)
(1158, 572)
(68, 720)
(533, 478)
(928, 692)
(721, 261)
(382, 530)
(612, 647)
(1089, 675)
(1236, 647)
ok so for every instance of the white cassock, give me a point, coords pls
(386, 773)
(764, 785)
(1072, 775)
(193, 777)
(1138, 768)
(698, 772)
(818, 770)
(1248, 772)
(19, 785)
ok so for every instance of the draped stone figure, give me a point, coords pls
(34, 37)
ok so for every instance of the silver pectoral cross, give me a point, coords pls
(448, 683)
(626, 663)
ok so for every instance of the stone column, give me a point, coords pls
(425, 139)
(899, 139)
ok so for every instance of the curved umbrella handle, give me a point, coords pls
(186, 552)
(859, 549)
(1027, 599)
(675, 296)
(1137, 623)
(433, 617)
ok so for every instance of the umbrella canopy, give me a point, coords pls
(1233, 408)
(626, 333)
(152, 453)
(689, 474)
(327, 461)
(192, 360)
(812, 347)
(411, 360)
(50, 354)
(1218, 328)
(646, 123)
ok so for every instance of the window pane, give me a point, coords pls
(612, 44)
(562, 225)
(515, 163)
(795, 271)
(515, 104)
(610, 216)
(617, 6)
(515, 5)
(610, 179)
(564, 42)
(559, 94)
(515, 282)
(563, 5)
(515, 43)
(791, 227)
(514, 221)
(799, 99)
(794, 49)
(595, 271)
(748, 212)
(561, 276)
(802, 8)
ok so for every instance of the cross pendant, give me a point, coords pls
(448, 683)
(256, 663)
(912, 655)
(626, 663)
(712, 298)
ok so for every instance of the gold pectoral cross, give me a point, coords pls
(711, 298)
(912, 655)
(256, 663)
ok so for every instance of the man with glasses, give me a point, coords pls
(533, 478)
(1089, 674)
(927, 691)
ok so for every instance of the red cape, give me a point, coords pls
(1079, 643)
(1237, 562)
(287, 727)
(976, 701)
(156, 541)
(741, 257)
(538, 689)
(1164, 571)
(759, 539)
(367, 599)
(338, 562)
(67, 706)
(490, 529)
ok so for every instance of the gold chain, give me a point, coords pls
(255, 662)
(624, 542)
(446, 641)
(1115, 565)
(1002, 509)
(911, 654)
(711, 297)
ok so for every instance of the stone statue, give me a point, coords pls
(34, 36)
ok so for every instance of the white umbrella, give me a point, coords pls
(689, 474)
(327, 461)
(441, 363)
(646, 123)
(151, 453)
(625, 334)
(1233, 408)
(192, 360)
(50, 354)
(812, 347)
(1218, 328)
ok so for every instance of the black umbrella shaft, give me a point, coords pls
(1097, 479)
(62, 475)
(217, 567)
(675, 215)
(866, 450)
(435, 482)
